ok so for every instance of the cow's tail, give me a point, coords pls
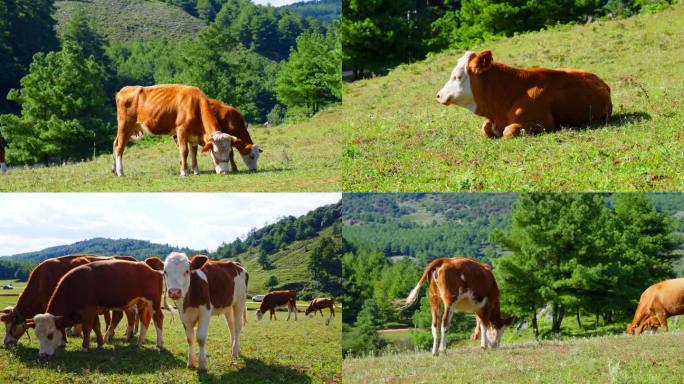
(413, 296)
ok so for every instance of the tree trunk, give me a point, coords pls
(558, 312)
(596, 321)
(579, 321)
(535, 326)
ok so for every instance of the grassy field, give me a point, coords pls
(398, 138)
(298, 157)
(305, 351)
(607, 359)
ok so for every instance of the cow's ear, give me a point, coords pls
(482, 62)
(198, 261)
(208, 146)
(155, 263)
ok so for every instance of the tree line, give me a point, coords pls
(573, 253)
(384, 33)
(269, 63)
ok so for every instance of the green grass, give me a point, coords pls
(303, 351)
(138, 20)
(398, 138)
(607, 359)
(10, 297)
(297, 157)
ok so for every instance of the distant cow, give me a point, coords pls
(170, 109)
(278, 299)
(464, 285)
(39, 288)
(657, 303)
(318, 304)
(534, 100)
(96, 287)
(3, 165)
(201, 288)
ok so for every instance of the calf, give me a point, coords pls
(174, 109)
(464, 285)
(95, 287)
(319, 303)
(39, 288)
(278, 299)
(201, 288)
(657, 303)
(513, 100)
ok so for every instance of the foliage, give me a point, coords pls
(312, 77)
(16, 269)
(325, 11)
(272, 283)
(276, 116)
(363, 337)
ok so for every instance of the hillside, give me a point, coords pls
(137, 20)
(325, 11)
(398, 138)
(139, 249)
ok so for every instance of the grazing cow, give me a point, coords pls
(319, 303)
(3, 165)
(232, 123)
(95, 287)
(464, 285)
(657, 303)
(278, 299)
(39, 288)
(201, 288)
(513, 100)
(173, 109)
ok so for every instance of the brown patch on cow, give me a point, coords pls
(219, 288)
(232, 122)
(658, 302)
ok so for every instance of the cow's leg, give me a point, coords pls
(202, 332)
(115, 320)
(158, 318)
(190, 337)
(484, 341)
(120, 142)
(235, 327)
(87, 320)
(131, 320)
(662, 319)
(98, 331)
(512, 130)
(488, 129)
(273, 314)
(321, 311)
(193, 158)
(434, 308)
(76, 330)
(476, 332)
(145, 318)
(233, 166)
(183, 151)
(446, 320)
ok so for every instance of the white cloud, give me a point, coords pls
(31, 222)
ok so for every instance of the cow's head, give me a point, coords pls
(250, 154)
(49, 330)
(495, 332)
(309, 309)
(15, 325)
(457, 89)
(221, 146)
(177, 270)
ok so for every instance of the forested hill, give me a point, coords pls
(139, 249)
(325, 11)
(426, 225)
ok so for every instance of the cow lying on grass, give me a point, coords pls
(657, 303)
(278, 299)
(39, 288)
(173, 109)
(92, 288)
(535, 100)
(465, 285)
(202, 288)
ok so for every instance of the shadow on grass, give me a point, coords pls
(247, 172)
(616, 120)
(256, 371)
(124, 358)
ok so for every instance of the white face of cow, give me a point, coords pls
(177, 274)
(49, 337)
(252, 157)
(457, 90)
(494, 336)
(222, 146)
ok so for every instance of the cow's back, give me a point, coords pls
(222, 278)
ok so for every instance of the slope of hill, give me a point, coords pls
(139, 249)
(398, 138)
(325, 11)
(126, 20)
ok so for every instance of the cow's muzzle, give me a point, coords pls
(174, 293)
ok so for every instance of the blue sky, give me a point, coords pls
(34, 221)
(275, 3)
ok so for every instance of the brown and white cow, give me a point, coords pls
(318, 304)
(464, 285)
(170, 109)
(202, 288)
(3, 165)
(233, 123)
(657, 303)
(513, 100)
(275, 299)
(92, 288)
(39, 288)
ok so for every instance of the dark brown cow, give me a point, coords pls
(319, 303)
(201, 288)
(39, 288)
(278, 299)
(96, 287)
(464, 285)
(170, 109)
(513, 100)
(657, 303)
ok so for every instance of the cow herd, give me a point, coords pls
(467, 285)
(69, 293)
